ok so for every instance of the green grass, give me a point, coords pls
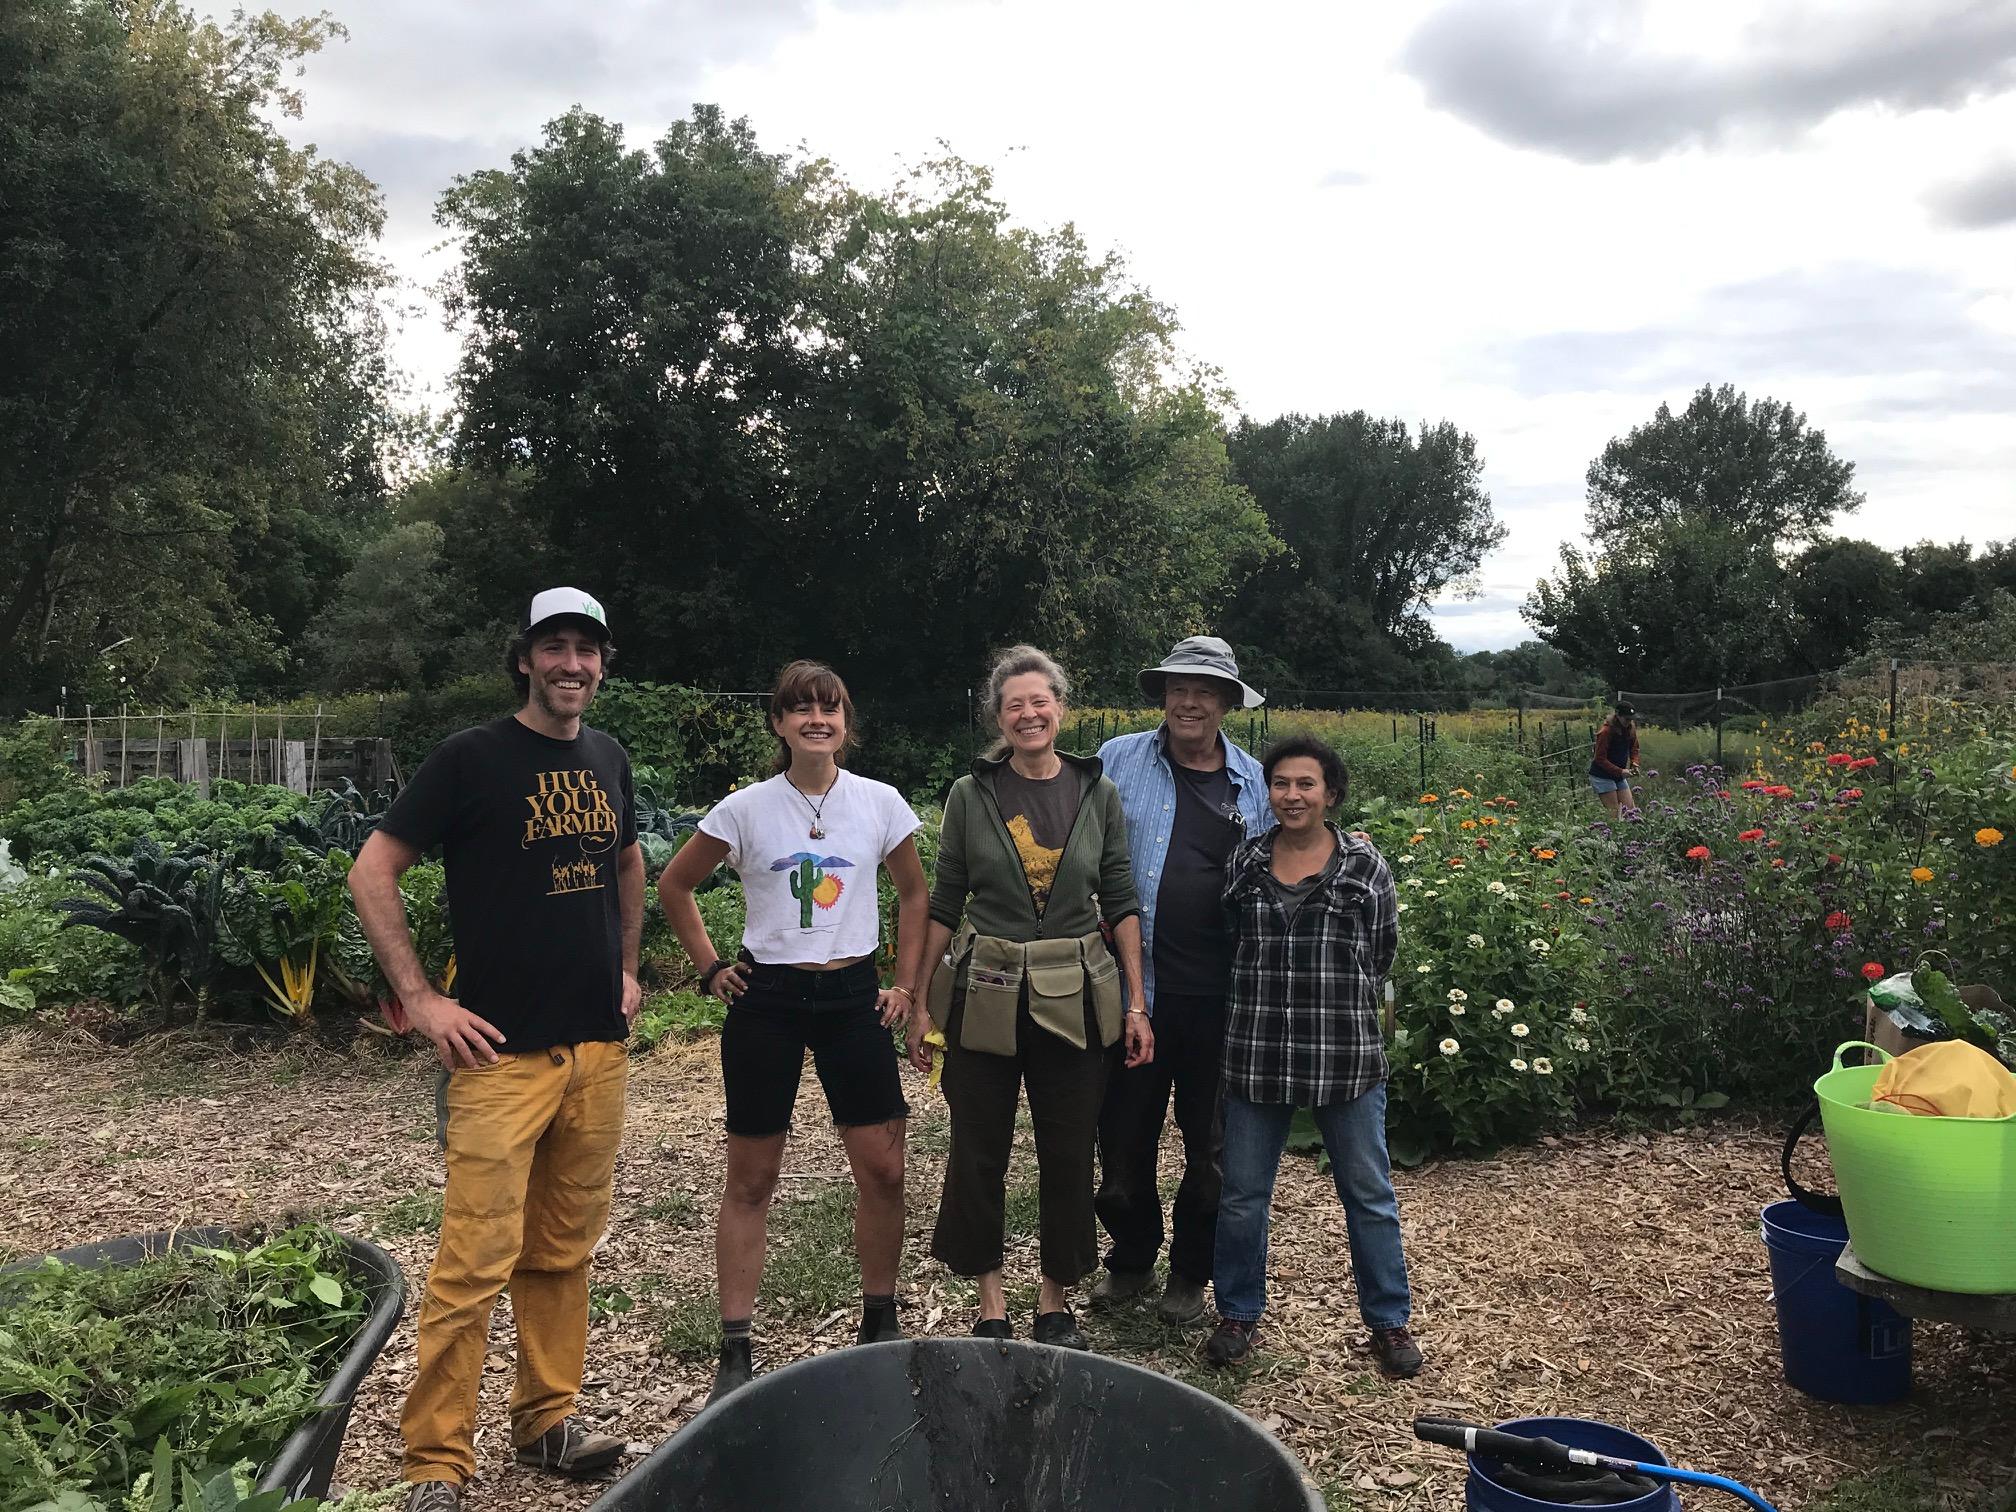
(811, 1269)
(675, 1208)
(1896, 1489)
(930, 1133)
(1022, 1209)
(415, 1213)
(690, 1329)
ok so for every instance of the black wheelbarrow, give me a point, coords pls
(967, 1424)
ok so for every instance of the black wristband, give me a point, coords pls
(721, 964)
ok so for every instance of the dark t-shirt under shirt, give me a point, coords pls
(1193, 953)
(530, 829)
(1039, 815)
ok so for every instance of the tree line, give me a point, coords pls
(761, 411)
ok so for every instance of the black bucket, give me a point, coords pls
(967, 1423)
(306, 1462)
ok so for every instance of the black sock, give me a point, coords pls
(736, 1328)
(870, 1302)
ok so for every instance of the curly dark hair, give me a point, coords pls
(1335, 777)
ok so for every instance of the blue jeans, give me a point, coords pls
(1354, 1133)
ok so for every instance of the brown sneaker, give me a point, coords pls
(434, 1496)
(1232, 1344)
(569, 1449)
(1399, 1356)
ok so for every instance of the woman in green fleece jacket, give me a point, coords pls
(1033, 854)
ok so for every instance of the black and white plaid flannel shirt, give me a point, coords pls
(1302, 1017)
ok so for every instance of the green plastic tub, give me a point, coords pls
(1930, 1201)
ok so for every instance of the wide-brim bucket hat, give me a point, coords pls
(1200, 656)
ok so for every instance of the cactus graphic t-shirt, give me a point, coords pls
(810, 898)
(529, 829)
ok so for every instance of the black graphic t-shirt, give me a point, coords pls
(1193, 953)
(529, 829)
(1039, 813)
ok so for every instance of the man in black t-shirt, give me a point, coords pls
(533, 817)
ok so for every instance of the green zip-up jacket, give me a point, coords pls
(980, 874)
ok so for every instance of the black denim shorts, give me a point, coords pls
(786, 1012)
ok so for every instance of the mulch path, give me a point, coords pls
(1601, 1274)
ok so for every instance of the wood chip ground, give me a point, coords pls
(1610, 1275)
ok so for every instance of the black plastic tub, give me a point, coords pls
(967, 1424)
(307, 1460)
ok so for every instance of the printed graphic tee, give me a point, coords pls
(1039, 813)
(1193, 952)
(529, 830)
(810, 901)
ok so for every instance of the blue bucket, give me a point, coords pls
(1483, 1493)
(1838, 1345)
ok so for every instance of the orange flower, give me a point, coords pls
(1469, 824)
(1429, 798)
(1988, 836)
(1750, 835)
(1544, 855)
(1697, 853)
(1921, 874)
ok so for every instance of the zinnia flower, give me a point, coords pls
(1540, 945)
(1449, 1047)
(1496, 887)
(1988, 836)
(1698, 853)
(1475, 942)
(1424, 970)
(1457, 1010)
(1752, 786)
(1750, 835)
(1429, 798)
(1862, 765)
(1581, 1043)
(1458, 995)
(1543, 1065)
(1544, 855)
(1839, 759)
(1518, 1064)
(1921, 874)
(1578, 1015)
(1520, 1031)
(1848, 795)
(1873, 970)
(1503, 1005)
(1468, 824)
(1837, 922)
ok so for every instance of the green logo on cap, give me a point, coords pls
(594, 610)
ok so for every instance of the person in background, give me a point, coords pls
(1190, 795)
(538, 836)
(1033, 857)
(1615, 758)
(806, 844)
(1314, 927)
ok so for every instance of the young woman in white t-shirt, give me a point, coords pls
(806, 844)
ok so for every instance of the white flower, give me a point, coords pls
(1540, 945)
(1497, 887)
(1412, 882)
(1543, 1065)
(1458, 995)
(1475, 942)
(1503, 1005)
(1450, 1047)
(1520, 1031)
(1518, 1064)
(1577, 1016)
(1424, 970)
(1431, 893)
(1407, 860)
(1582, 1043)
(1399, 908)
(1457, 1010)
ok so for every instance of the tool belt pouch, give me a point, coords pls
(945, 980)
(1102, 981)
(1057, 981)
(993, 987)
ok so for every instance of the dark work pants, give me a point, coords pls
(981, 1091)
(1189, 1060)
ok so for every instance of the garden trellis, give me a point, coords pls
(200, 745)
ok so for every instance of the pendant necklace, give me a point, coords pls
(818, 830)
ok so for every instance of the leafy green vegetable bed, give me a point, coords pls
(198, 1361)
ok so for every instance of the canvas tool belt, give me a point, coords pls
(1061, 977)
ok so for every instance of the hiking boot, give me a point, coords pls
(1232, 1344)
(1182, 1300)
(878, 1325)
(1399, 1356)
(434, 1496)
(993, 1328)
(1058, 1328)
(1116, 1286)
(736, 1370)
(569, 1449)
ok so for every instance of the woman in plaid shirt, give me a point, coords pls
(1314, 928)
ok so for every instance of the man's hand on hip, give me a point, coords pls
(459, 1037)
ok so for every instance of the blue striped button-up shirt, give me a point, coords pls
(1139, 767)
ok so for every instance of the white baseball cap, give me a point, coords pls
(566, 603)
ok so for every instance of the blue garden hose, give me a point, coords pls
(1550, 1454)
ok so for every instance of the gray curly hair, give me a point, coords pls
(1018, 661)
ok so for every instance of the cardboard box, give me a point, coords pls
(1878, 1029)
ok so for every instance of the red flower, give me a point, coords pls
(1778, 790)
(1723, 794)
(1837, 922)
(1753, 785)
(1751, 834)
(1698, 853)
(1839, 759)
(1563, 895)
(1832, 859)
(1777, 860)
(1848, 795)
(1862, 764)
(1872, 970)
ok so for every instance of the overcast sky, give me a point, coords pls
(1536, 218)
